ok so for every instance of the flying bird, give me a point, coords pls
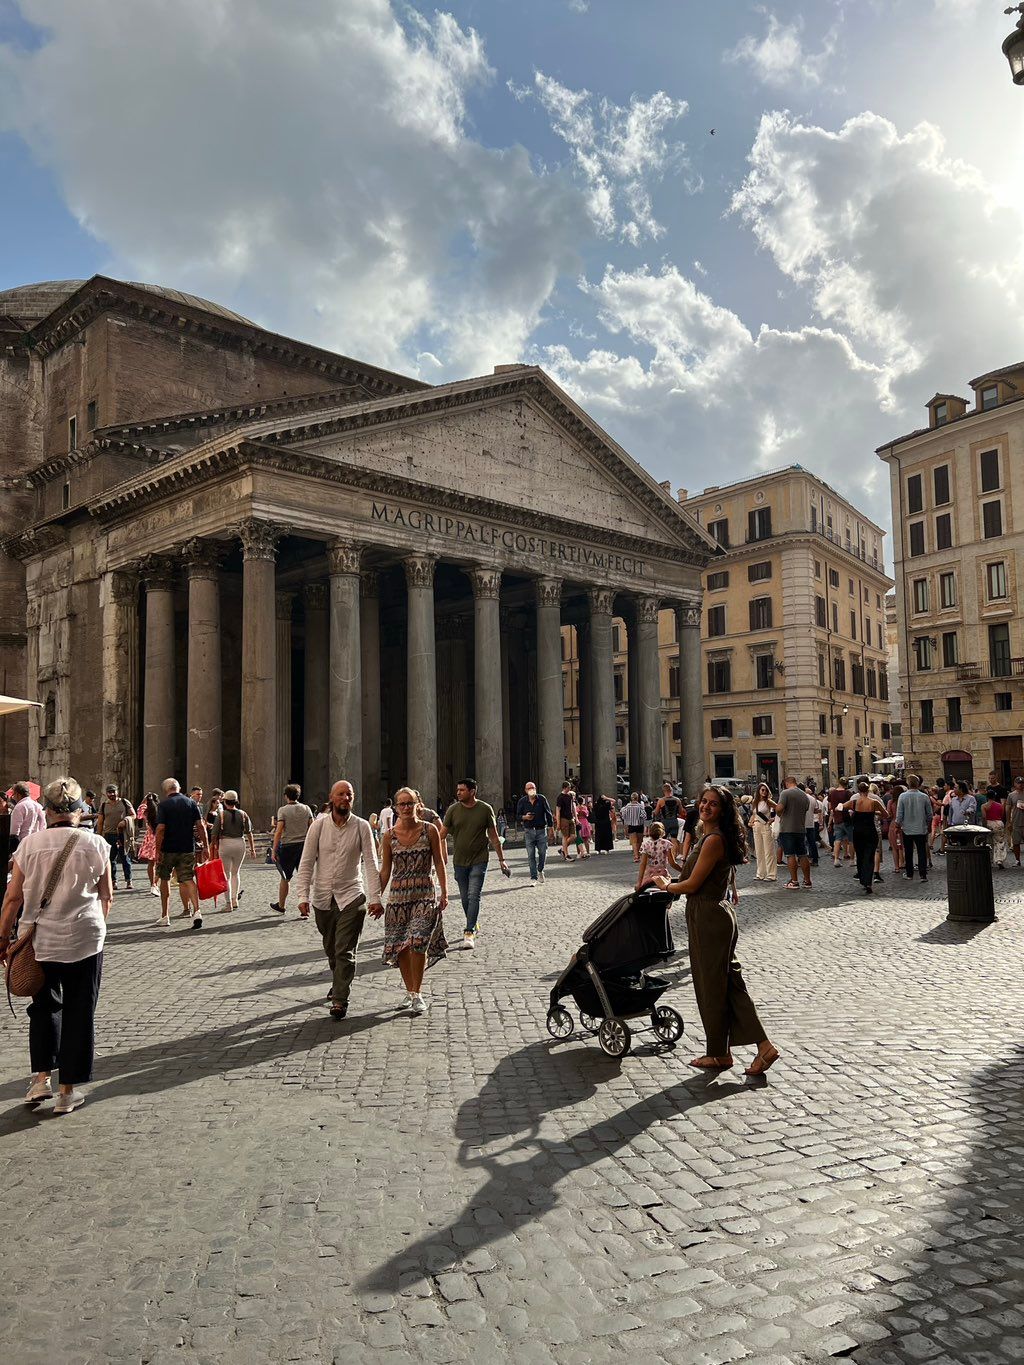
(712, 132)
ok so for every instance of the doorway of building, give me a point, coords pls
(1008, 758)
(768, 770)
(959, 765)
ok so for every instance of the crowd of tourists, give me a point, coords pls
(68, 848)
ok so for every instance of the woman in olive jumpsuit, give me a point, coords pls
(726, 1009)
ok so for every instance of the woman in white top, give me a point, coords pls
(762, 816)
(69, 933)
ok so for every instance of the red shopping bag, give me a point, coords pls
(210, 880)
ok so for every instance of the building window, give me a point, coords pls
(717, 581)
(719, 530)
(1004, 701)
(856, 727)
(995, 581)
(883, 685)
(915, 493)
(923, 653)
(761, 613)
(616, 640)
(940, 479)
(762, 725)
(835, 618)
(821, 670)
(944, 531)
(759, 524)
(990, 397)
(857, 678)
(850, 586)
(765, 667)
(716, 621)
(992, 519)
(72, 433)
(917, 537)
(886, 730)
(989, 470)
(675, 732)
(563, 647)
(920, 594)
(673, 680)
(872, 683)
(950, 649)
(90, 415)
(927, 726)
(822, 725)
(618, 684)
(620, 734)
(839, 673)
(867, 631)
(833, 578)
(725, 765)
(819, 612)
(719, 675)
(817, 568)
(65, 496)
(941, 414)
(999, 650)
(758, 573)
(721, 729)
(853, 625)
(947, 590)
(954, 720)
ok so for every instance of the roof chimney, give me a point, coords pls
(682, 494)
(667, 485)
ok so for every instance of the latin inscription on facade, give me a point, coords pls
(469, 532)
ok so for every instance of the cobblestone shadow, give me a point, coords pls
(521, 1098)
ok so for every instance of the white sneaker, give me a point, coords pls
(467, 941)
(65, 1103)
(407, 1002)
(540, 878)
(154, 890)
(38, 1091)
(418, 1005)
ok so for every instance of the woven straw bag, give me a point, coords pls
(24, 976)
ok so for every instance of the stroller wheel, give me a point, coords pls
(614, 1037)
(591, 1024)
(667, 1024)
(560, 1023)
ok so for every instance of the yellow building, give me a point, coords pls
(793, 631)
(792, 639)
(959, 524)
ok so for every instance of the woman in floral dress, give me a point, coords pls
(146, 816)
(413, 930)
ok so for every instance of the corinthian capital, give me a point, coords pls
(549, 592)
(343, 557)
(601, 601)
(314, 595)
(202, 558)
(369, 583)
(647, 609)
(486, 583)
(687, 615)
(157, 572)
(259, 539)
(123, 588)
(419, 571)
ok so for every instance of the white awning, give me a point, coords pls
(9, 704)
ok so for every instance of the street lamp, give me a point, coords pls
(1013, 45)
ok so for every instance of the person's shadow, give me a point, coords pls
(525, 1088)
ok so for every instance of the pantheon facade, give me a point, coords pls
(242, 560)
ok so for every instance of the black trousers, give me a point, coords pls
(61, 1019)
(919, 842)
(865, 842)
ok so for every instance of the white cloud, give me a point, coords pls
(778, 56)
(617, 151)
(314, 159)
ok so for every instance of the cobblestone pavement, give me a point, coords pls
(250, 1182)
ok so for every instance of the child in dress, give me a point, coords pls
(585, 831)
(655, 856)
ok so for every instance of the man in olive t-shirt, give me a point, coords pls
(472, 825)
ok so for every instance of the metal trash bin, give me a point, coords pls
(969, 874)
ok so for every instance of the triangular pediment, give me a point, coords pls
(514, 440)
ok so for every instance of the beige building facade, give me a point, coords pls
(241, 560)
(958, 518)
(793, 631)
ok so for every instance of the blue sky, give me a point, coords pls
(444, 190)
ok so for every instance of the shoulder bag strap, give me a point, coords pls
(57, 869)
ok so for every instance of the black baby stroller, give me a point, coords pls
(608, 980)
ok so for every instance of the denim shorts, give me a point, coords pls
(793, 845)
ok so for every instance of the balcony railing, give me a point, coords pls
(1000, 668)
(858, 551)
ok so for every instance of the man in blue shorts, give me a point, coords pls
(792, 807)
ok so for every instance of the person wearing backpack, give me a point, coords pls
(231, 828)
(293, 821)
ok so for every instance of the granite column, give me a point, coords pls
(691, 700)
(602, 692)
(369, 634)
(203, 703)
(259, 683)
(421, 678)
(345, 723)
(489, 756)
(158, 685)
(648, 710)
(550, 705)
(316, 695)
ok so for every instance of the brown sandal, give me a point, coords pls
(707, 1063)
(764, 1059)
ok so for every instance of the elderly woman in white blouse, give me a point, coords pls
(68, 936)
